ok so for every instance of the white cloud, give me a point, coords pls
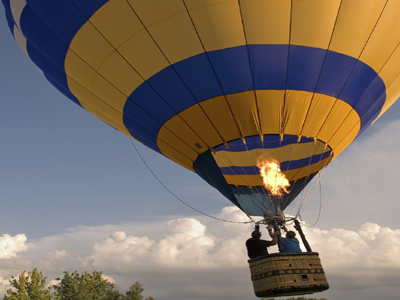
(52, 262)
(188, 258)
(10, 246)
(369, 248)
(361, 183)
(4, 284)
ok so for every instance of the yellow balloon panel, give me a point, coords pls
(90, 46)
(176, 155)
(285, 153)
(117, 22)
(118, 73)
(339, 113)
(79, 73)
(320, 107)
(270, 104)
(218, 111)
(199, 122)
(172, 141)
(347, 139)
(176, 37)
(295, 111)
(245, 112)
(218, 23)
(292, 175)
(266, 22)
(312, 22)
(143, 54)
(152, 12)
(356, 21)
(384, 39)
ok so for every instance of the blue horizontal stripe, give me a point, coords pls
(269, 66)
(44, 40)
(9, 17)
(270, 141)
(51, 25)
(334, 75)
(357, 83)
(203, 73)
(304, 68)
(285, 166)
(87, 7)
(228, 71)
(250, 198)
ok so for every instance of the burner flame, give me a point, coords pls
(274, 180)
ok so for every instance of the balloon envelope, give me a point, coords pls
(216, 85)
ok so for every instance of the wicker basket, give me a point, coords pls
(287, 274)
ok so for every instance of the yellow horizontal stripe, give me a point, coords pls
(282, 154)
(78, 70)
(118, 73)
(171, 140)
(117, 22)
(244, 109)
(179, 133)
(143, 54)
(197, 120)
(291, 175)
(320, 118)
(218, 111)
(296, 107)
(94, 105)
(354, 25)
(218, 23)
(339, 113)
(152, 12)
(351, 135)
(319, 110)
(348, 130)
(90, 46)
(384, 39)
(392, 94)
(176, 37)
(176, 156)
(313, 22)
(270, 103)
(260, 16)
(91, 93)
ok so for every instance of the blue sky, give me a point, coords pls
(75, 189)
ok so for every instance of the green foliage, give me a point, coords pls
(31, 286)
(74, 286)
(298, 298)
(135, 293)
(85, 286)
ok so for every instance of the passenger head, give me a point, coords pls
(290, 234)
(256, 234)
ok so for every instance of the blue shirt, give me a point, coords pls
(290, 245)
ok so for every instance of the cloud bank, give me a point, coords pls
(192, 258)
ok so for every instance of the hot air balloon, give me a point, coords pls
(222, 87)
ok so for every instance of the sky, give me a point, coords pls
(76, 195)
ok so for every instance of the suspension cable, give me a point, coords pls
(195, 209)
(320, 202)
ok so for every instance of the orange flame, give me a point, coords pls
(274, 180)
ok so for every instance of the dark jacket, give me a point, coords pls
(257, 247)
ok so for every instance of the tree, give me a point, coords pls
(94, 287)
(298, 298)
(31, 286)
(73, 286)
(135, 293)
(86, 286)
